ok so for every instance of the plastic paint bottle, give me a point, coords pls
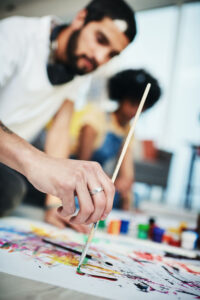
(189, 239)
(114, 227)
(175, 236)
(158, 234)
(124, 226)
(143, 230)
(166, 239)
(102, 224)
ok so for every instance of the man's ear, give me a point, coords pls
(79, 20)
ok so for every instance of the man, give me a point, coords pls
(40, 61)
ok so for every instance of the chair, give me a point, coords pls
(154, 172)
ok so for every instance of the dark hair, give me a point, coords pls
(114, 9)
(130, 85)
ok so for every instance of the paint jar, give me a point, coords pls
(175, 236)
(114, 227)
(143, 230)
(189, 239)
(166, 239)
(124, 226)
(158, 234)
(102, 224)
(183, 226)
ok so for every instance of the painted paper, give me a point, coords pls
(116, 270)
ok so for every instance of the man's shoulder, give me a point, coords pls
(25, 23)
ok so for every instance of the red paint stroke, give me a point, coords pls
(149, 256)
(188, 269)
(80, 273)
(158, 258)
(144, 255)
(136, 260)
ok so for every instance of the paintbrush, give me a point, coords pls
(124, 149)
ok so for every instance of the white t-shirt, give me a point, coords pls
(27, 98)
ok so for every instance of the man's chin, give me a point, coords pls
(84, 71)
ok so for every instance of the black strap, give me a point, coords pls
(59, 73)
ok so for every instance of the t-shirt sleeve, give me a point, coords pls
(77, 90)
(11, 49)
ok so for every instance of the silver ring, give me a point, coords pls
(96, 190)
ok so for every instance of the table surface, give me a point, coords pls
(17, 288)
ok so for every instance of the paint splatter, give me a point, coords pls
(145, 272)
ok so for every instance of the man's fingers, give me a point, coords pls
(99, 197)
(99, 201)
(85, 203)
(58, 223)
(100, 204)
(54, 220)
(109, 191)
(80, 227)
(68, 205)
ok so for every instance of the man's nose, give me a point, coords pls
(102, 56)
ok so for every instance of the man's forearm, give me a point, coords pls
(14, 151)
(57, 141)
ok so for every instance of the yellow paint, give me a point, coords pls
(40, 231)
(103, 269)
(65, 260)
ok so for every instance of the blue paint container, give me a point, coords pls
(124, 226)
(158, 234)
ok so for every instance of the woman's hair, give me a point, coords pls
(130, 85)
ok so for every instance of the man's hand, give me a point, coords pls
(52, 217)
(65, 178)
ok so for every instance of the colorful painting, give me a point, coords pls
(41, 252)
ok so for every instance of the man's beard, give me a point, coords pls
(72, 58)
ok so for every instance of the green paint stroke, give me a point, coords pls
(78, 270)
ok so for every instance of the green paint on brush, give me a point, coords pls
(85, 261)
(78, 270)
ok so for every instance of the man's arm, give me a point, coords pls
(62, 178)
(14, 151)
(57, 140)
